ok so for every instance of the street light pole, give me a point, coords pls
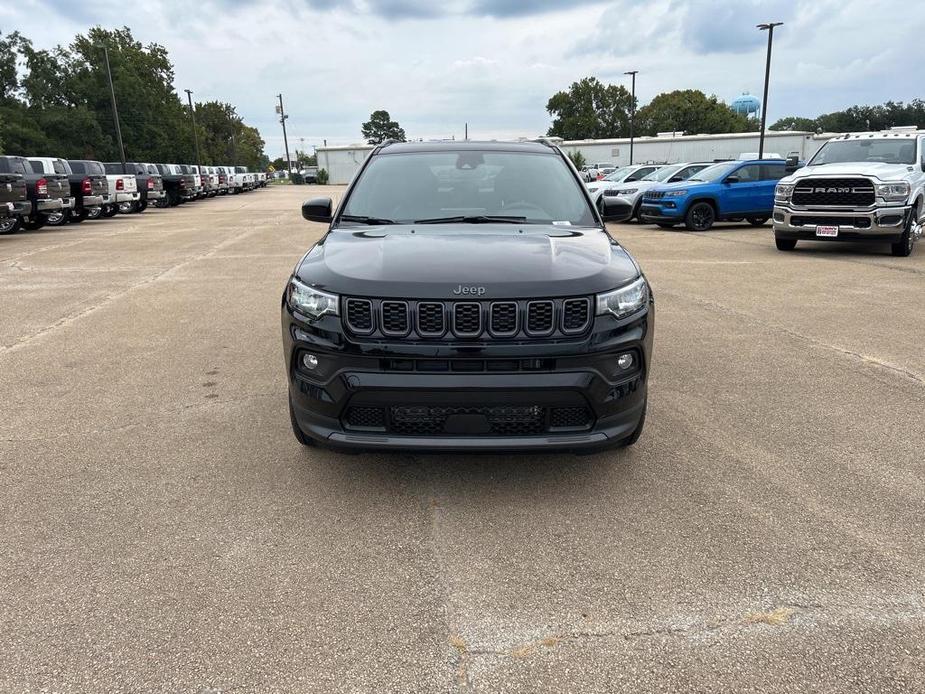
(115, 110)
(282, 119)
(192, 113)
(633, 73)
(769, 27)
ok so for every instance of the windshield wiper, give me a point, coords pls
(364, 220)
(473, 219)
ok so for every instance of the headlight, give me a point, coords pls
(893, 192)
(593, 189)
(783, 191)
(627, 191)
(624, 301)
(675, 193)
(310, 302)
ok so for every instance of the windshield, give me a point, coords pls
(619, 174)
(875, 150)
(414, 186)
(663, 174)
(715, 172)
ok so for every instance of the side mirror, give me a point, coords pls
(317, 210)
(732, 179)
(614, 211)
(793, 163)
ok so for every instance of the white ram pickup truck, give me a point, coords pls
(123, 187)
(857, 187)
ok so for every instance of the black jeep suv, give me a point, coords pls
(466, 296)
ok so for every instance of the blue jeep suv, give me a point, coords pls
(727, 191)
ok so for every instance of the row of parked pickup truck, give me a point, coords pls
(35, 191)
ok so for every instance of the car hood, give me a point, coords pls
(507, 261)
(884, 172)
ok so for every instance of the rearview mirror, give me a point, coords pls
(317, 210)
(732, 179)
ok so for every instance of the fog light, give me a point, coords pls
(309, 361)
(625, 361)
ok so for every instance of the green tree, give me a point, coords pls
(578, 159)
(590, 109)
(795, 123)
(691, 111)
(380, 127)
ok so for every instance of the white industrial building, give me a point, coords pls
(342, 162)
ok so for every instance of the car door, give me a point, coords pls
(770, 175)
(742, 190)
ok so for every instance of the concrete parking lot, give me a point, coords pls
(162, 531)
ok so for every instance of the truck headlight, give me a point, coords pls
(893, 192)
(625, 300)
(783, 191)
(675, 193)
(310, 302)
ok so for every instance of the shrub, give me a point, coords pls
(578, 159)
(322, 177)
(296, 178)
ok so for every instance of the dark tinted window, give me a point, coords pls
(772, 172)
(12, 165)
(37, 166)
(425, 185)
(749, 173)
(113, 168)
(162, 169)
(78, 167)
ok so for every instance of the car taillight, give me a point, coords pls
(120, 184)
(41, 187)
(150, 184)
(86, 187)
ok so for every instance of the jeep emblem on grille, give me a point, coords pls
(463, 290)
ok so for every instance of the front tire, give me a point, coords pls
(903, 247)
(700, 217)
(297, 430)
(757, 221)
(785, 244)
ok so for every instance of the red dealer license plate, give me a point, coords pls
(826, 231)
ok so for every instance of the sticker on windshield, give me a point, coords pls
(563, 224)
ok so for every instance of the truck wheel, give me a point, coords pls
(10, 225)
(110, 210)
(94, 212)
(127, 207)
(78, 217)
(903, 247)
(785, 244)
(33, 223)
(58, 218)
(757, 221)
(297, 430)
(141, 206)
(700, 216)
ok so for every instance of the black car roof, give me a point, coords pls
(460, 145)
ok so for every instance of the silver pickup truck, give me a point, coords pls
(857, 187)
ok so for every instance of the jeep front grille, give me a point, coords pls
(467, 320)
(834, 192)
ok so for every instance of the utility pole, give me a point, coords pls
(115, 110)
(192, 113)
(769, 27)
(282, 119)
(467, 132)
(234, 150)
(632, 109)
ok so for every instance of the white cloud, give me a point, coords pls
(494, 65)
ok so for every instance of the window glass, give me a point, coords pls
(414, 186)
(772, 172)
(898, 150)
(748, 174)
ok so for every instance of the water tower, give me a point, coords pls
(746, 105)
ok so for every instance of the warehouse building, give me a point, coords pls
(342, 162)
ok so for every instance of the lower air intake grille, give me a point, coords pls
(570, 418)
(422, 420)
(365, 418)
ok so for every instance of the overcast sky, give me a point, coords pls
(436, 64)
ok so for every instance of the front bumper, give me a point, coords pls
(876, 224)
(486, 396)
(659, 213)
(128, 197)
